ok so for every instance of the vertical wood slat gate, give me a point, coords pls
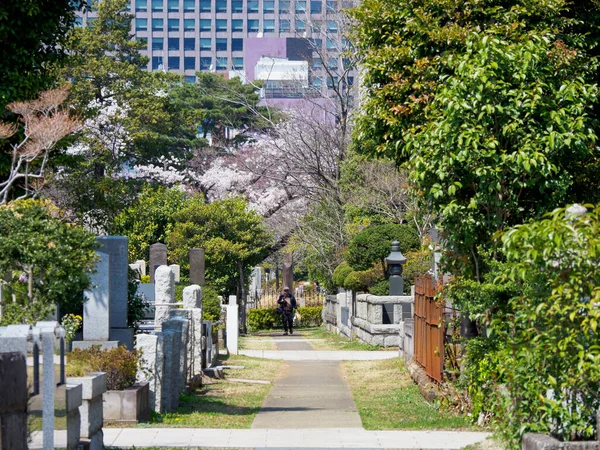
(429, 328)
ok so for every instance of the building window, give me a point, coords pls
(350, 81)
(189, 44)
(316, 26)
(221, 25)
(173, 44)
(268, 7)
(332, 26)
(191, 79)
(317, 64)
(173, 5)
(237, 45)
(237, 6)
(141, 24)
(301, 6)
(189, 5)
(316, 7)
(332, 63)
(205, 5)
(237, 25)
(174, 62)
(157, 25)
(332, 81)
(189, 24)
(79, 21)
(331, 6)
(284, 25)
(205, 43)
(330, 45)
(222, 63)
(238, 63)
(158, 43)
(316, 43)
(221, 6)
(253, 25)
(173, 24)
(284, 6)
(189, 63)
(204, 24)
(90, 21)
(317, 82)
(268, 26)
(252, 6)
(221, 44)
(157, 63)
(205, 62)
(300, 25)
(157, 5)
(141, 5)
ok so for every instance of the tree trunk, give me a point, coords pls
(243, 297)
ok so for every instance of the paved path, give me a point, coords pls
(308, 394)
(268, 438)
(320, 355)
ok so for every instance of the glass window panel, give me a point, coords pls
(331, 81)
(330, 45)
(90, 21)
(237, 25)
(221, 6)
(141, 5)
(331, 6)
(205, 5)
(238, 64)
(157, 63)
(284, 6)
(316, 25)
(221, 25)
(268, 7)
(189, 79)
(158, 43)
(332, 26)
(221, 44)
(157, 25)
(78, 21)
(237, 45)
(205, 43)
(317, 82)
(253, 25)
(317, 64)
(173, 43)
(144, 40)
(317, 43)
(173, 24)
(189, 44)
(205, 62)
(252, 6)
(189, 24)
(174, 62)
(237, 6)
(157, 5)
(316, 7)
(332, 63)
(205, 24)
(300, 25)
(189, 5)
(141, 24)
(268, 26)
(222, 63)
(173, 5)
(284, 25)
(189, 63)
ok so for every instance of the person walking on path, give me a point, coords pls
(287, 303)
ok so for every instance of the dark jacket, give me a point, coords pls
(289, 298)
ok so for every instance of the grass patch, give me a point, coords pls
(332, 341)
(252, 342)
(387, 398)
(225, 404)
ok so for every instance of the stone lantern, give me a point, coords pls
(395, 261)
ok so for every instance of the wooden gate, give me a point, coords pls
(429, 328)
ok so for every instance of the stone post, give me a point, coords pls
(197, 266)
(176, 272)
(158, 257)
(96, 309)
(152, 366)
(192, 301)
(233, 325)
(184, 317)
(164, 294)
(174, 374)
(142, 265)
(48, 336)
(74, 399)
(13, 402)
(91, 409)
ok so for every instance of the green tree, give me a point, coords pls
(43, 260)
(150, 219)
(233, 237)
(504, 136)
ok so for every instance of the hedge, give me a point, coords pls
(267, 318)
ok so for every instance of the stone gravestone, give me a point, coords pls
(192, 301)
(96, 309)
(164, 294)
(233, 325)
(197, 266)
(152, 366)
(158, 257)
(13, 401)
(176, 271)
(142, 265)
(116, 248)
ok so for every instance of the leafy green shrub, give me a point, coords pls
(263, 318)
(211, 303)
(119, 364)
(311, 316)
(382, 287)
(145, 279)
(136, 304)
(417, 263)
(340, 273)
(372, 245)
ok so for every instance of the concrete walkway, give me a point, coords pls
(281, 438)
(320, 355)
(308, 394)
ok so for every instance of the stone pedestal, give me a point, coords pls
(158, 257)
(164, 294)
(91, 409)
(197, 266)
(13, 402)
(74, 400)
(152, 367)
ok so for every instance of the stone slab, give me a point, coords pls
(96, 309)
(197, 266)
(158, 257)
(117, 248)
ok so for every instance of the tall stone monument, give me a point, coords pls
(116, 248)
(158, 257)
(197, 265)
(288, 271)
